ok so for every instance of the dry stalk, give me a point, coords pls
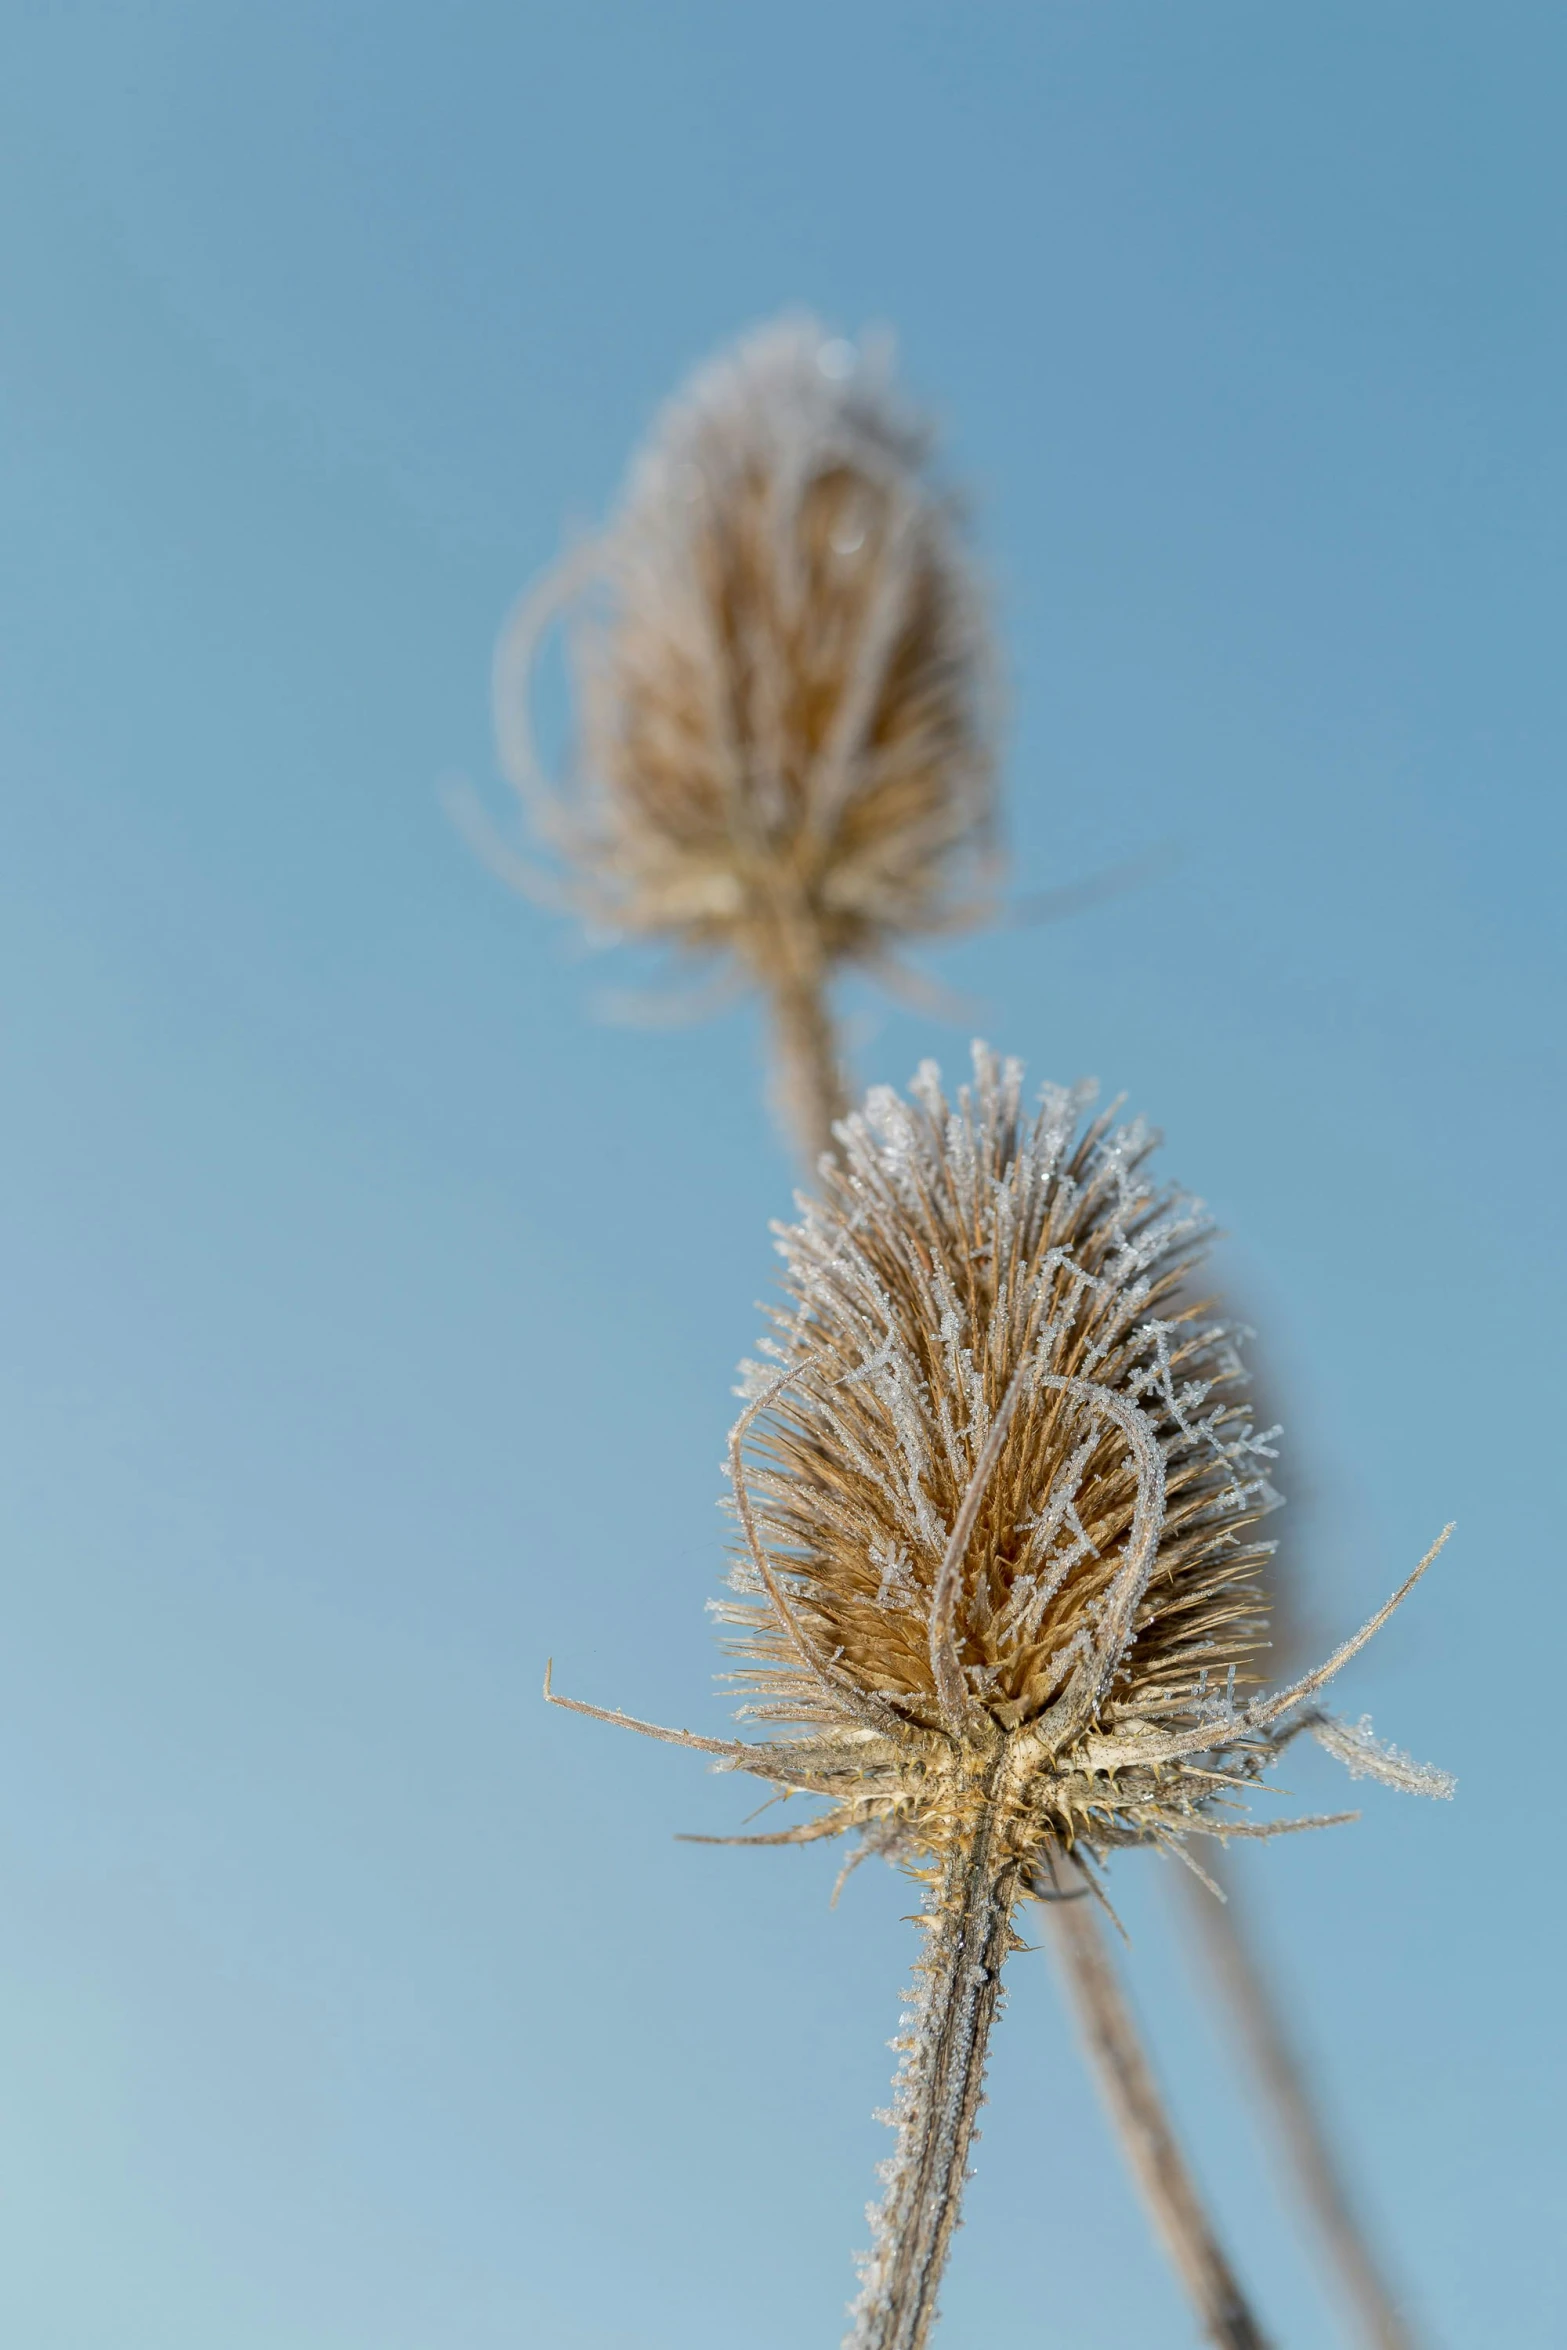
(1242, 1977)
(999, 1581)
(1153, 2154)
(809, 1096)
(939, 2088)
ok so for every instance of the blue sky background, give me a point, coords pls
(371, 1308)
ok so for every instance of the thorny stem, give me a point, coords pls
(807, 1073)
(1238, 1966)
(939, 2088)
(1127, 2084)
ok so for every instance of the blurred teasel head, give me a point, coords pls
(782, 748)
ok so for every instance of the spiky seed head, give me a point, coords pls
(1000, 1483)
(999, 1492)
(960, 1249)
(783, 753)
(1001, 1498)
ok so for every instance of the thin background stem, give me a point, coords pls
(1232, 1958)
(1127, 2084)
(808, 1086)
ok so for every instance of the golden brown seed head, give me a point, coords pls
(782, 751)
(999, 1490)
(959, 1254)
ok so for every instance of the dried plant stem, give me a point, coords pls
(1130, 2091)
(808, 1082)
(1236, 1964)
(968, 1928)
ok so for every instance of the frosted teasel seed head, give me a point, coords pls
(1003, 1485)
(1000, 1593)
(783, 749)
(1002, 1501)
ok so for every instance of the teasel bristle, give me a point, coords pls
(1000, 1590)
(783, 752)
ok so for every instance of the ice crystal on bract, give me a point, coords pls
(783, 749)
(1002, 1577)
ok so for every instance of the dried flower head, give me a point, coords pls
(783, 752)
(1004, 1481)
(1003, 1569)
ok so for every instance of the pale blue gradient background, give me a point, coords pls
(371, 1311)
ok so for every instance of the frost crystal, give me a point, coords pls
(1365, 1756)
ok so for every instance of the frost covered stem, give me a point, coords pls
(1250, 2006)
(939, 2085)
(1129, 2089)
(808, 1088)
